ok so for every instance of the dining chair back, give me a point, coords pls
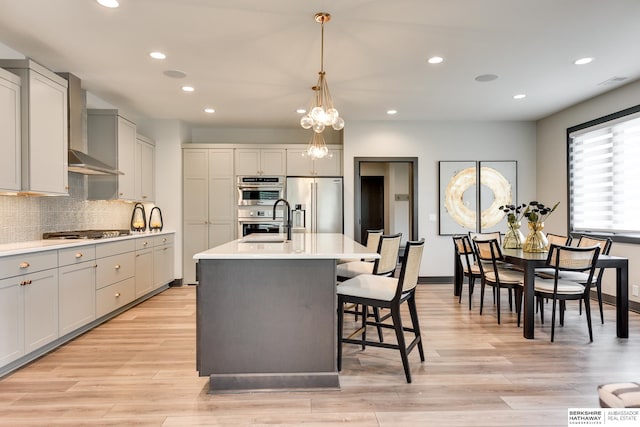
(568, 259)
(605, 244)
(388, 248)
(557, 239)
(373, 237)
(466, 259)
(385, 292)
(490, 257)
(482, 237)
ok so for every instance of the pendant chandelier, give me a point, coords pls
(321, 112)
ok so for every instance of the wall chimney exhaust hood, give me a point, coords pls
(79, 160)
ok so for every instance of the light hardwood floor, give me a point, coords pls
(139, 369)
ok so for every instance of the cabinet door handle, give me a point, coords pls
(164, 240)
(145, 243)
(117, 266)
(24, 264)
(117, 294)
(25, 282)
(95, 265)
(79, 255)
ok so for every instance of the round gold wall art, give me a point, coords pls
(466, 179)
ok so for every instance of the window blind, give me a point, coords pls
(604, 176)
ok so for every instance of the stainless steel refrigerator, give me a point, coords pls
(320, 201)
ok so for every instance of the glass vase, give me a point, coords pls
(536, 241)
(513, 238)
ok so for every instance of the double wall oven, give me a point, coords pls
(256, 196)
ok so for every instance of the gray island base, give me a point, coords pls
(266, 314)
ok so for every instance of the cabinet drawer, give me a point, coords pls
(165, 239)
(28, 263)
(144, 243)
(76, 255)
(115, 296)
(114, 269)
(113, 248)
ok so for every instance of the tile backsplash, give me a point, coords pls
(26, 218)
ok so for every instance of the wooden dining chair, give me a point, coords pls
(489, 257)
(605, 244)
(466, 257)
(370, 290)
(563, 260)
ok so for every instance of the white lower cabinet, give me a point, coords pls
(115, 281)
(28, 313)
(77, 296)
(144, 265)
(11, 320)
(46, 296)
(114, 296)
(163, 252)
(41, 309)
(28, 303)
(76, 287)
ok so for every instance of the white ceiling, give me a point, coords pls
(255, 61)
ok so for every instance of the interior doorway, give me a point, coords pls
(385, 196)
(371, 203)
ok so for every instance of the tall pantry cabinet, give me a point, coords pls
(209, 202)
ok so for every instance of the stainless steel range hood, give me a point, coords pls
(79, 160)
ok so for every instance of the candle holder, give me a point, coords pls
(155, 219)
(138, 218)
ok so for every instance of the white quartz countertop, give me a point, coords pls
(301, 246)
(19, 248)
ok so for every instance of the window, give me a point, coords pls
(604, 174)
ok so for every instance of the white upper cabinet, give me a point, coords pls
(145, 169)
(9, 132)
(260, 161)
(44, 128)
(300, 164)
(112, 139)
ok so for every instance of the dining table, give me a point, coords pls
(529, 261)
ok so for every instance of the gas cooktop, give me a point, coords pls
(85, 234)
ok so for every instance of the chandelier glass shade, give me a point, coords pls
(317, 148)
(321, 112)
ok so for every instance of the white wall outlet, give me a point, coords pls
(634, 290)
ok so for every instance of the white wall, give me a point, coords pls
(432, 142)
(168, 136)
(552, 165)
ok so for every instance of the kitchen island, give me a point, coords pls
(266, 312)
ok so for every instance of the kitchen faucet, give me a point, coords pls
(287, 225)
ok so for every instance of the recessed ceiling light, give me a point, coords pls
(176, 74)
(157, 55)
(435, 60)
(209, 110)
(519, 96)
(583, 61)
(109, 3)
(301, 111)
(486, 77)
(188, 88)
(392, 112)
